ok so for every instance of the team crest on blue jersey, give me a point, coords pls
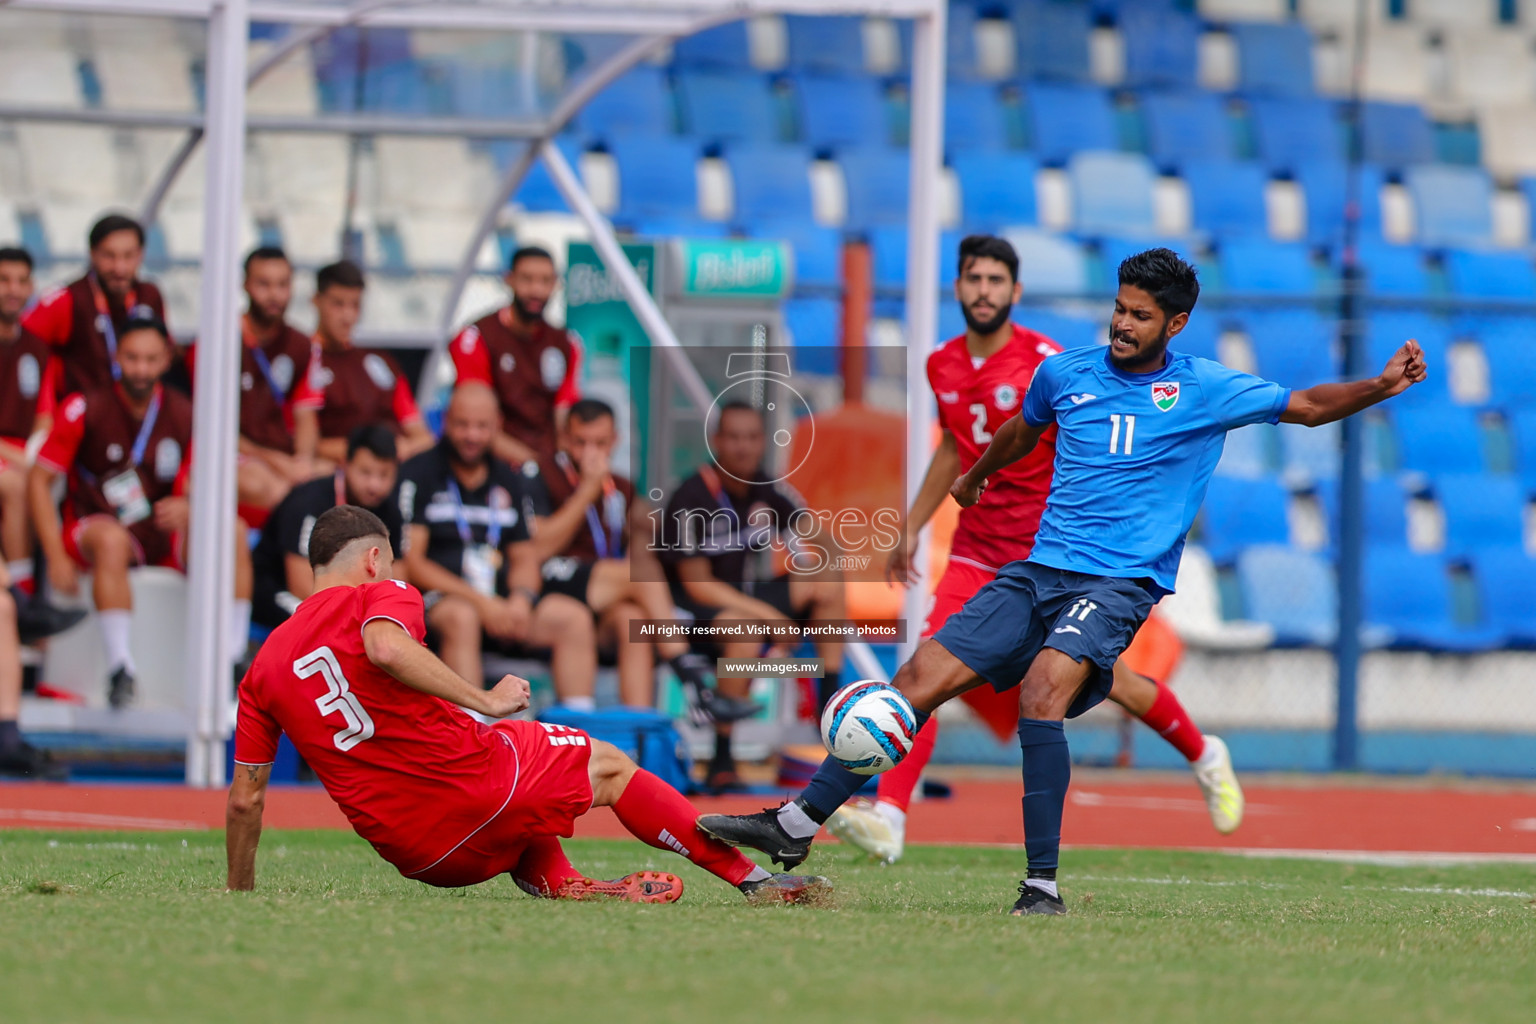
(1006, 396)
(1165, 395)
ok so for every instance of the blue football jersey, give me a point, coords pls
(1134, 453)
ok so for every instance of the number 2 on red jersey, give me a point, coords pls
(338, 698)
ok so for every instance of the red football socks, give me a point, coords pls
(660, 816)
(898, 784)
(1168, 717)
(544, 868)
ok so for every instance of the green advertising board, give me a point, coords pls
(594, 302)
(733, 269)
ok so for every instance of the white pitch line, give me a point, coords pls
(1209, 883)
(1088, 798)
(83, 818)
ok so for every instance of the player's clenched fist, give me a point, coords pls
(1405, 368)
(507, 697)
(965, 492)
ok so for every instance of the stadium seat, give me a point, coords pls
(1114, 249)
(841, 111)
(1185, 126)
(1309, 454)
(813, 322)
(1066, 331)
(1049, 264)
(973, 118)
(657, 177)
(963, 63)
(1051, 39)
(1506, 583)
(727, 105)
(1386, 510)
(1293, 348)
(1512, 377)
(1397, 64)
(1508, 135)
(1257, 266)
(825, 43)
(996, 189)
(722, 46)
(818, 251)
(770, 182)
(1408, 595)
(888, 248)
(1393, 269)
(1239, 513)
(1246, 452)
(1324, 185)
(1194, 609)
(1273, 59)
(1453, 205)
(1065, 119)
(1481, 510)
(1396, 135)
(1522, 429)
(1227, 197)
(1293, 592)
(1290, 132)
(1161, 46)
(1112, 193)
(637, 103)
(1437, 440)
(1505, 275)
(877, 181)
(1490, 68)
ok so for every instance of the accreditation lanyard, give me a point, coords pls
(612, 510)
(493, 520)
(141, 442)
(104, 322)
(265, 366)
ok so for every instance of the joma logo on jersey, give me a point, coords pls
(1165, 396)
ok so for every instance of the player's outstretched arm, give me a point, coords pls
(942, 470)
(1326, 403)
(242, 823)
(1013, 440)
(392, 649)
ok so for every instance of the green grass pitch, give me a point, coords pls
(136, 927)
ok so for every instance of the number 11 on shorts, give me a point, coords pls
(1081, 610)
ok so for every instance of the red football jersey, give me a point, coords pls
(976, 397)
(414, 774)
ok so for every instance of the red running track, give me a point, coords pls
(1104, 809)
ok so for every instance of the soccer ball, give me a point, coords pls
(868, 727)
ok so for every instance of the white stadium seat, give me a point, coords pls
(1244, 10)
(1488, 68)
(33, 75)
(1453, 13)
(435, 239)
(288, 89)
(69, 162)
(302, 168)
(144, 80)
(429, 174)
(1509, 140)
(75, 660)
(1195, 609)
(1397, 65)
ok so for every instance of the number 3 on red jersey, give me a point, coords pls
(338, 698)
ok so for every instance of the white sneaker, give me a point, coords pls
(1223, 795)
(862, 824)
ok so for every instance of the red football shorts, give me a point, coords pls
(961, 580)
(549, 789)
(149, 545)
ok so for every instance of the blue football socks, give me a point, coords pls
(1047, 773)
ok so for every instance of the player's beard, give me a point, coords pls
(1153, 352)
(139, 391)
(985, 326)
(527, 315)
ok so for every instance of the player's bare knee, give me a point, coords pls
(110, 547)
(455, 618)
(566, 620)
(932, 676)
(610, 770)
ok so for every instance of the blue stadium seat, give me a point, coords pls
(1049, 264)
(1453, 204)
(1504, 275)
(888, 248)
(818, 251)
(1293, 348)
(1522, 428)
(1511, 362)
(1199, 336)
(1051, 39)
(877, 181)
(770, 182)
(722, 46)
(1481, 510)
(637, 103)
(1309, 453)
(1386, 510)
(962, 63)
(727, 105)
(951, 320)
(1290, 132)
(1246, 453)
(1066, 331)
(1114, 249)
(826, 43)
(815, 325)
(1227, 197)
(537, 192)
(1273, 59)
(1257, 266)
(1409, 594)
(1294, 591)
(1506, 583)
(841, 111)
(1185, 126)
(676, 226)
(996, 189)
(973, 118)
(1112, 193)
(1240, 513)
(1324, 182)
(1393, 269)
(1435, 440)
(1161, 46)
(1065, 119)
(656, 177)
(1396, 135)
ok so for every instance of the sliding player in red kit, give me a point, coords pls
(979, 379)
(445, 799)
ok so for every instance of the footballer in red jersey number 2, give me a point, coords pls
(446, 799)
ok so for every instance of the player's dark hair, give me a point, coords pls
(975, 247)
(15, 254)
(1173, 284)
(145, 321)
(374, 438)
(738, 405)
(341, 274)
(340, 526)
(265, 252)
(590, 410)
(111, 224)
(528, 252)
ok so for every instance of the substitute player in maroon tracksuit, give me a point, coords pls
(26, 406)
(979, 379)
(445, 799)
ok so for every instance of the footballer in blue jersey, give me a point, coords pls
(1140, 429)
